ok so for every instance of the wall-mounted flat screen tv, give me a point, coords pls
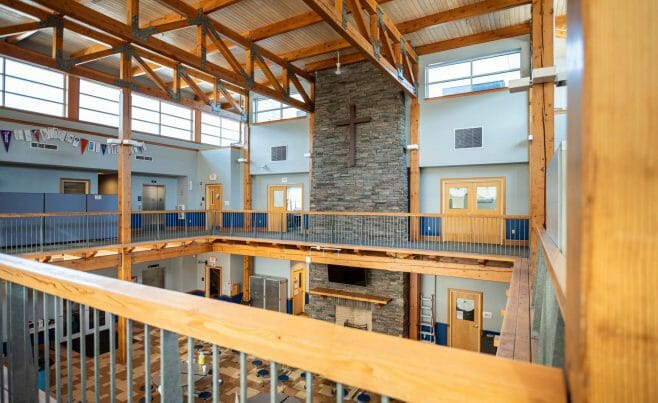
(347, 275)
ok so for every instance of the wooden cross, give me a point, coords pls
(351, 134)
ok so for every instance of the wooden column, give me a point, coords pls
(73, 98)
(541, 116)
(414, 208)
(612, 276)
(247, 261)
(124, 167)
(197, 125)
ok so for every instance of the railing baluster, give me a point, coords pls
(215, 374)
(129, 360)
(243, 377)
(385, 399)
(69, 354)
(113, 358)
(309, 387)
(190, 378)
(83, 353)
(46, 344)
(147, 363)
(97, 375)
(58, 349)
(339, 393)
(273, 382)
(170, 367)
(21, 370)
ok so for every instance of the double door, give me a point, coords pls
(283, 199)
(473, 210)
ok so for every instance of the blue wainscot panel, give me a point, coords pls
(233, 220)
(430, 226)
(136, 221)
(196, 219)
(16, 232)
(67, 229)
(259, 220)
(517, 229)
(103, 226)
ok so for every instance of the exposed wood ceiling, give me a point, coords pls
(289, 29)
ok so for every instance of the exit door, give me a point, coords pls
(214, 203)
(464, 319)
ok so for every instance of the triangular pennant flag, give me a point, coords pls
(19, 135)
(28, 135)
(83, 145)
(91, 146)
(6, 138)
(76, 141)
(36, 133)
(62, 135)
(103, 148)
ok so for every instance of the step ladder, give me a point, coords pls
(426, 323)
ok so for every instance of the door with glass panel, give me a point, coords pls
(277, 206)
(473, 210)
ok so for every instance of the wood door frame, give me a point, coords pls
(480, 301)
(293, 269)
(287, 185)
(208, 268)
(218, 220)
(87, 183)
(503, 194)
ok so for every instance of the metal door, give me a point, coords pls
(153, 199)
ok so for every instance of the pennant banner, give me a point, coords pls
(83, 145)
(6, 138)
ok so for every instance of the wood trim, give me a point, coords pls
(466, 94)
(280, 120)
(87, 183)
(515, 331)
(278, 337)
(556, 265)
(481, 37)
(73, 97)
(352, 296)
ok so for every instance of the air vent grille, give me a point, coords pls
(279, 153)
(143, 157)
(44, 146)
(468, 138)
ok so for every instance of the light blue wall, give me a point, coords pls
(261, 182)
(221, 163)
(516, 185)
(273, 267)
(503, 116)
(40, 179)
(292, 133)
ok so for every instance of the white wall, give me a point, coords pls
(260, 185)
(274, 268)
(503, 116)
(493, 294)
(291, 133)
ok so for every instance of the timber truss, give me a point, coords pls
(451, 264)
(150, 53)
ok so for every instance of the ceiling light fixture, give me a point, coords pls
(338, 64)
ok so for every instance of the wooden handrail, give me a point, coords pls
(556, 265)
(334, 213)
(399, 368)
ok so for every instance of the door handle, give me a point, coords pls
(476, 326)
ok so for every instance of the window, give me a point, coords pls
(279, 153)
(74, 186)
(99, 103)
(161, 118)
(32, 88)
(478, 74)
(218, 130)
(267, 110)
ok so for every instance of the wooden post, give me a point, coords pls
(612, 315)
(541, 117)
(73, 97)
(247, 261)
(197, 125)
(124, 175)
(414, 208)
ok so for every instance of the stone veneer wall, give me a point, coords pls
(378, 182)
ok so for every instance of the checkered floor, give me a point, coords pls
(229, 373)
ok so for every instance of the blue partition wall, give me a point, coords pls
(65, 229)
(15, 232)
(102, 227)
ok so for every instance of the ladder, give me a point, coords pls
(426, 323)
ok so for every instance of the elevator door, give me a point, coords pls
(153, 199)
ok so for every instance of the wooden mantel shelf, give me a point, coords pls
(354, 296)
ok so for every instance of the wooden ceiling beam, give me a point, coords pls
(20, 37)
(481, 37)
(206, 7)
(459, 13)
(19, 28)
(351, 34)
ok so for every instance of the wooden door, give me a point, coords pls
(464, 319)
(297, 276)
(213, 282)
(473, 210)
(214, 203)
(277, 206)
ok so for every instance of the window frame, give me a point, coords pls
(470, 77)
(281, 108)
(221, 128)
(117, 102)
(63, 88)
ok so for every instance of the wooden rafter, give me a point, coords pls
(459, 13)
(19, 28)
(124, 32)
(482, 37)
(361, 42)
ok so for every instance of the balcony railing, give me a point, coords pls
(486, 235)
(48, 310)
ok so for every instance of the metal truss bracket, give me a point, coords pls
(343, 18)
(51, 21)
(143, 33)
(125, 84)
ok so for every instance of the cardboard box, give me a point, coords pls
(235, 289)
